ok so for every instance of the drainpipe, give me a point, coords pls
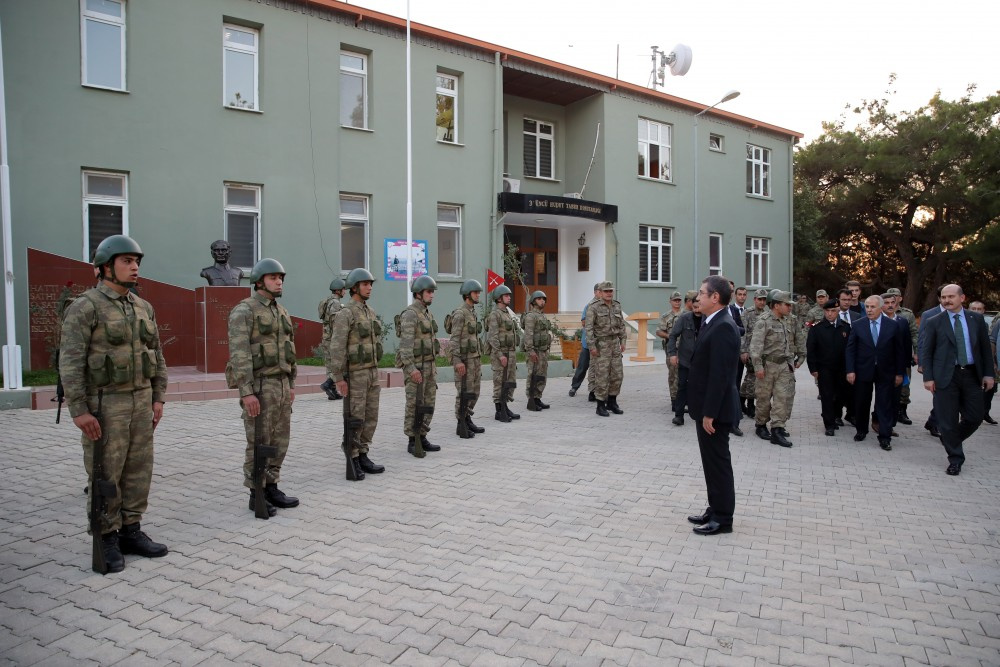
(11, 351)
(791, 214)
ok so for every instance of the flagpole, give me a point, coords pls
(409, 167)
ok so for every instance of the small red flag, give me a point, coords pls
(493, 280)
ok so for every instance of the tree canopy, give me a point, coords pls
(909, 200)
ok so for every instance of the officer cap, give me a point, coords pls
(337, 283)
(111, 247)
(470, 286)
(832, 303)
(781, 297)
(421, 283)
(691, 295)
(894, 291)
(760, 294)
(499, 291)
(821, 292)
(676, 296)
(607, 284)
(358, 275)
(264, 267)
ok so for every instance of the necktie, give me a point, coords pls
(963, 354)
(843, 315)
(875, 331)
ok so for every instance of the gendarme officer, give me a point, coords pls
(110, 344)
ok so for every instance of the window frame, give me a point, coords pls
(715, 269)
(720, 141)
(450, 225)
(440, 92)
(241, 48)
(361, 74)
(88, 200)
(758, 171)
(228, 208)
(122, 23)
(664, 148)
(364, 220)
(758, 261)
(660, 244)
(539, 137)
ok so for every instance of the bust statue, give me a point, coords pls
(221, 274)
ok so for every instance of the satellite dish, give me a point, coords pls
(680, 60)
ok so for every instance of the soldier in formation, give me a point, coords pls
(355, 350)
(748, 389)
(328, 309)
(112, 325)
(465, 350)
(776, 350)
(606, 335)
(416, 356)
(501, 334)
(680, 350)
(663, 333)
(537, 340)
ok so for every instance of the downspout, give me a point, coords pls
(11, 351)
(791, 216)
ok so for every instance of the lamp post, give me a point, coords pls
(732, 94)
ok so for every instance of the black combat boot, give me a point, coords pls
(330, 389)
(131, 540)
(678, 419)
(277, 497)
(543, 406)
(367, 465)
(533, 406)
(468, 431)
(612, 404)
(512, 415)
(779, 436)
(359, 474)
(473, 427)
(751, 409)
(762, 432)
(411, 446)
(602, 409)
(501, 415)
(112, 554)
(591, 397)
(902, 417)
(428, 445)
(743, 405)
(271, 509)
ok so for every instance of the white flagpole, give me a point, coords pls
(409, 167)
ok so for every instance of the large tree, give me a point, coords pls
(908, 199)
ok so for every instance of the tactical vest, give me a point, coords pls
(364, 348)
(506, 334)
(541, 339)
(122, 352)
(465, 329)
(425, 345)
(272, 340)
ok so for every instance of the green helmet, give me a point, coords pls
(421, 283)
(358, 275)
(470, 286)
(336, 284)
(113, 246)
(537, 294)
(265, 267)
(500, 291)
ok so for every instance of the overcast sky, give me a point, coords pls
(796, 64)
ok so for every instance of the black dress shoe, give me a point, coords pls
(678, 420)
(368, 466)
(885, 443)
(989, 420)
(735, 430)
(277, 497)
(903, 418)
(838, 421)
(953, 470)
(762, 432)
(831, 430)
(858, 437)
(701, 519)
(572, 391)
(713, 528)
(935, 433)
(850, 420)
(427, 445)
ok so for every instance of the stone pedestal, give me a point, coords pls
(212, 308)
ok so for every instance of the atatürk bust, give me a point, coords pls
(221, 274)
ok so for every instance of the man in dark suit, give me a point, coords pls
(958, 367)
(826, 345)
(875, 358)
(713, 401)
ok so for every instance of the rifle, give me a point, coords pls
(100, 490)
(418, 413)
(533, 381)
(463, 408)
(507, 387)
(351, 426)
(261, 453)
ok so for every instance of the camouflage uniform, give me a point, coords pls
(801, 312)
(328, 309)
(501, 334)
(911, 321)
(537, 339)
(464, 348)
(750, 318)
(416, 352)
(110, 342)
(262, 363)
(354, 354)
(666, 324)
(606, 335)
(775, 347)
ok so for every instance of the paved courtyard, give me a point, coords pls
(559, 539)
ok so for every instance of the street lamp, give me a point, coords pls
(731, 95)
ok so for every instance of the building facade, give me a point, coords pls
(281, 126)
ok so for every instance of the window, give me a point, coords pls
(353, 232)
(758, 171)
(757, 254)
(539, 148)
(716, 142)
(102, 43)
(449, 250)
(715, 254)
(655, 254)
(105, 208)
(446, 113)
(243, 224)
(654, 150)
(353, 90)
(239, 67)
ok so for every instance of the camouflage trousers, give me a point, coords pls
(127, 427)
(904, 393)
(473, 378)
(427, 390)
(541, 369)
(275, 394)
(608, 369)
(363, 391)
(749, 387)
(672, 380)
(498, 373)
(775, 394)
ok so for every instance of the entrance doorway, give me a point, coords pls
(538, 249)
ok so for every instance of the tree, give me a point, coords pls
(909, 199)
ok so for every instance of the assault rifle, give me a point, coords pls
(261, 453)
(508, 386)
(100, 491)
(463, 407)
(60, 391)
(419, 410)
(351, 427)
(533, 382)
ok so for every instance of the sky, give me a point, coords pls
(795, 63)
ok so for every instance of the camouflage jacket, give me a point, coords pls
(605, 325)
(537, 336)
(777, 340)
(815, 314)
(328, 309)
(465, 330)
(417, 345)
(261, 343)
(501, 331)
(667, 323)
(750, 317)
(911, 321)
(355, 340)
(109, 341)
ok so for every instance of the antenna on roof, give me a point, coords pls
(678, 60)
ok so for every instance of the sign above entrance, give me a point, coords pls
(517, 202)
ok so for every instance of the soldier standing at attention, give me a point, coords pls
(663, 332)
(537, 341)
(748, 388)
(606, 333)
(328, 309)
(500, 333)
(818, 312)
(680, 349)
(262, 366)
(415, 355)
(776, 350)
(355, 351)
(465, 352)
(111, 324)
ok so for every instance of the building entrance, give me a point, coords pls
(538, 249)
